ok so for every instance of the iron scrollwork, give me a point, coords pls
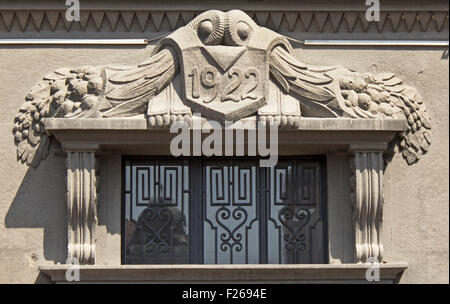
(231, 239)
(160, 236)
(294, 220)
(242, 214)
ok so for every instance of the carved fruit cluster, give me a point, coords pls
(77, 90)
(28, 130)
(62, 93)
(384, 95)
(368, 96)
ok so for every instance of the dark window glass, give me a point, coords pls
(224, 212)
(156, 213)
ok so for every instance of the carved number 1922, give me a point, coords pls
(208, 77)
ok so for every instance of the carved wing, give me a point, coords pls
(90, 92)
(306, 81)
(131, 89)
(339, 92)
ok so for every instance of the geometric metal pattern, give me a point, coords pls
(210, 211)
(296, 213)
(156, 213)
(230, 222)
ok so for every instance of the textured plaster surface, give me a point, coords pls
(33, 227)
(32, 201)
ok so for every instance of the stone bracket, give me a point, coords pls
(81, 205)
(367, 201)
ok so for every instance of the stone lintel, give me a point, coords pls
(313, 135)
(368, 147)
(305, 124)
(80, 147)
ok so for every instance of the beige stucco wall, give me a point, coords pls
(32, 201)
(33, 216)
(416, 206)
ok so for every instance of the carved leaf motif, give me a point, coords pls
(392, 82)
(397, 88)
(410, 156)
(384, 76)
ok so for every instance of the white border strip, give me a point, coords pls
(425, 43)
(74, 41)
(377, 42)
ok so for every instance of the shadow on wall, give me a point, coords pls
(40, 203)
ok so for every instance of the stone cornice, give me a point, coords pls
(314, 135)
(316, 19)
(232, 4)
(305, 124)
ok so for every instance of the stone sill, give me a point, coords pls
(311, 273)
(306, 124)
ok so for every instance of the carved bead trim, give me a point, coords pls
(368, 205)
(163, 21)
(81, 206)
(281, 121)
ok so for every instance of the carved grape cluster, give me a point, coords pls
(368, 96)
(384, 95)
(77, 91)
(62, 93)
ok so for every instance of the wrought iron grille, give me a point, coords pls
(223, 211)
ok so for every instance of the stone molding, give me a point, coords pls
(81, 205)
(311, 273)
(154, 21)
(131, 134)
(305, 124)
(366, 185)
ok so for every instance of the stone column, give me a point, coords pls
(367, 200)
(81, 203)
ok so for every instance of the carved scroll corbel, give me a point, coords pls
(81, 204)
(367, 201)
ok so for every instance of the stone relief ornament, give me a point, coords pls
(225, 66)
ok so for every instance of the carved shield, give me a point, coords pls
(225, 82)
